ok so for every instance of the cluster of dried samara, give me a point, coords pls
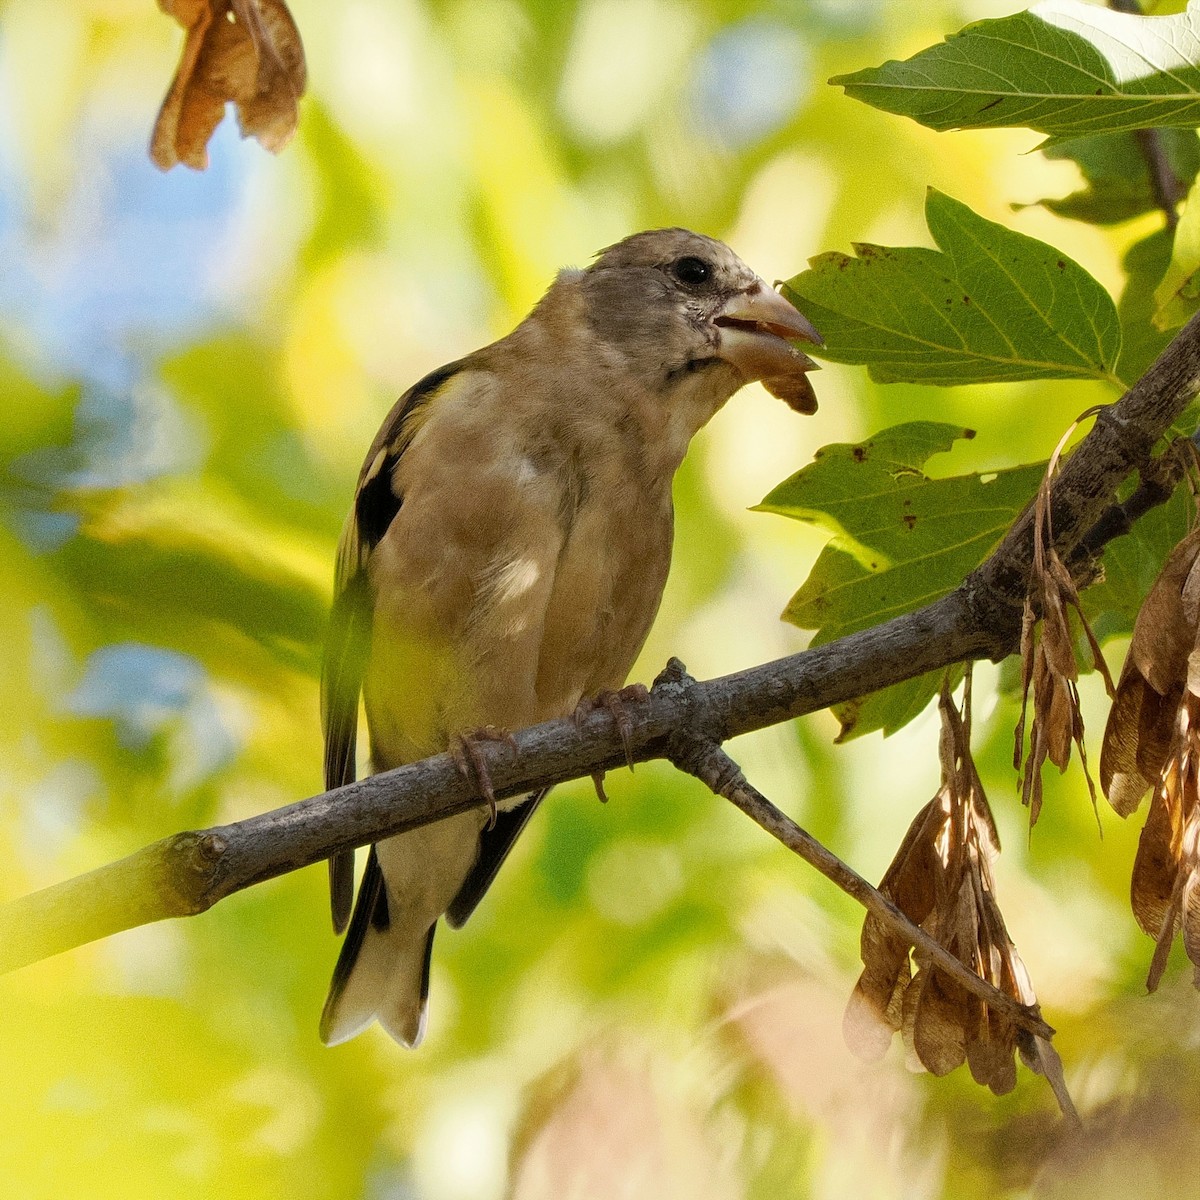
(941, 878)
(1152, 741)
(1048, 658)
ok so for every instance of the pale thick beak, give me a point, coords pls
(757, 328)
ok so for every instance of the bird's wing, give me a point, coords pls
(495, 843)
(348, 639)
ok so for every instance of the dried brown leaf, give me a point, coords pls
(247, 52)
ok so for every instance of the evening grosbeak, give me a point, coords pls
(505, 556)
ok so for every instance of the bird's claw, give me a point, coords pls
(464, 749)
(614, 703)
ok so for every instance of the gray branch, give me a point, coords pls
(189, 872)
(709, 763)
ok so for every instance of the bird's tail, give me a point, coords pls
(382, 972)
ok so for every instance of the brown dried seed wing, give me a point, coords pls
(1163, 634)
(188, 115)
(795, 391)
(1059, 719)
(909, 880)
(255, 60)
(867, 1024)
(268, 111)
(1136, 741)
(1190, 917)
(934, 1011)
(885, 961)
(1156, 867)
(991, 1057)
(1057, 644)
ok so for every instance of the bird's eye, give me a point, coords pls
(692, 271)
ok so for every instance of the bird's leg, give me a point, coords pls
(464, 749)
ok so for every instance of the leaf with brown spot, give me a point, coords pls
(247, 52)
(901, 539)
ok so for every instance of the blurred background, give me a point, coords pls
(649, 1002)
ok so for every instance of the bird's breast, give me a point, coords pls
(608, 580)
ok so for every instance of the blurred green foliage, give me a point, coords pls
(191, 368)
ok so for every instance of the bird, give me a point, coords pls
(504, 558)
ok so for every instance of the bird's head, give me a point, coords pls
(679, 303)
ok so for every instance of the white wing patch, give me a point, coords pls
(507, 584)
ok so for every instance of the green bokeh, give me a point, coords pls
(658, 959)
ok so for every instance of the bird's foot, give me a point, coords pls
(614, 702)
(464, 749)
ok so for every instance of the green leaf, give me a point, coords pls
(1064, 68)
(1178, 294)
(1132, 564)
(902, 540)
(993, 305)
(1118, 179)
(1145, 263)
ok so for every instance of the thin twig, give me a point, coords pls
(1159, 480)
(709, 763)
(1165, 185)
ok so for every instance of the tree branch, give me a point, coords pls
(189, 872)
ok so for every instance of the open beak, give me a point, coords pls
(758, 327)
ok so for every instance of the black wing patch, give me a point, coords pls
(494, 847)
(346, 648)
(376, 505)
(371, 895)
